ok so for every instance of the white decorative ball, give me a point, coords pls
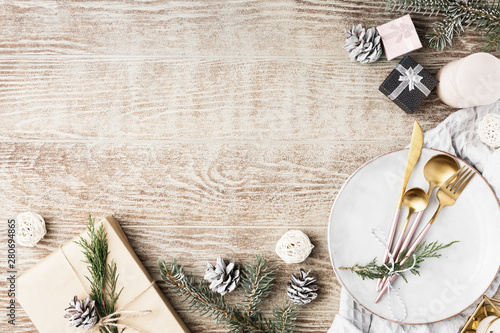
(294, 247)
(30, 229)
(488, 130)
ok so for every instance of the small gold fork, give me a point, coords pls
(447, 195)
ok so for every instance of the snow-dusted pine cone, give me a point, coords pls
(82, 314)
(223, 278)
(301, 289)
(363, 45)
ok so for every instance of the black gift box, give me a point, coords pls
(408, 84)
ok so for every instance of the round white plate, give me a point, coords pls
(446, 286)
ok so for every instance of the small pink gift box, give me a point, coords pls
(399, 37)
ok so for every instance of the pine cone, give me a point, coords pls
(363, 45)
(223, 278)
(82, 314)
(301, 289)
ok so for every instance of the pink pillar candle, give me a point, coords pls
(471, 81)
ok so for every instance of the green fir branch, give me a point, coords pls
(484, 15)
(103, 276)
(257, 281)
(285, 317)
(492, 39)
(425, 250)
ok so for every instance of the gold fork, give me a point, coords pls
(447, 195)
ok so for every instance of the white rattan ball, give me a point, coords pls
(294, 247)
(30, 229)
(488, 130)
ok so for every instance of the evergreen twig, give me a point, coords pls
(257, 282)
(103, 276)
(425, 250)
(285, 317)
(456, 14)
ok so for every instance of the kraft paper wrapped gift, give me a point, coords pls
(46, 289)
(399, 37)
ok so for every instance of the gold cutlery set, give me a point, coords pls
(441, 171)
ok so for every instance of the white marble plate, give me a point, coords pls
(446, 286)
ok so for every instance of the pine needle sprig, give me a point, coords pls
(103, 276)
(198, 295)
(257, 281)
(373, 270)
(285, 317)
(245, 317)
(457, 14)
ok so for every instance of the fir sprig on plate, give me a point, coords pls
(257, 281)
(373, 270)
(103, 276)
(456, 14)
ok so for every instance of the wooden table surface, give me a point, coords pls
(205, 127)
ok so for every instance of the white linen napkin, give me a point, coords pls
(457, 135)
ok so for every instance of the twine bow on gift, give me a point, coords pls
(111, 321)
(392, 271)
(410, 79)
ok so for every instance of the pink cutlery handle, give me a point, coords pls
(384, 288)
(412, 248)
(392, 232)
(417, 241)
(411, 232)
(395, 253)
(399, 242)
(409, 236)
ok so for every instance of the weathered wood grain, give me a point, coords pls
(226, 184)
(196, 123)
(198, 99)
(308, 28)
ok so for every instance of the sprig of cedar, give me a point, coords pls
(257, 281)
(373, 270)
(103, 276)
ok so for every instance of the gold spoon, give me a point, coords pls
(438, 169)
(416, 200)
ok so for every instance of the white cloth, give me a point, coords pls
(457, 135)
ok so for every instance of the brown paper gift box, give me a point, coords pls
(46, 289)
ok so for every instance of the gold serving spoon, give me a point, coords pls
(438, 169)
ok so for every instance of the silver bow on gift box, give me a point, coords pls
(410, 79)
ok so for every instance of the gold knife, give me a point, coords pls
(417, 141)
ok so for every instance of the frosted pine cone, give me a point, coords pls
(301, 289)
(82, 314)
(223, 278)
(363, 45)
